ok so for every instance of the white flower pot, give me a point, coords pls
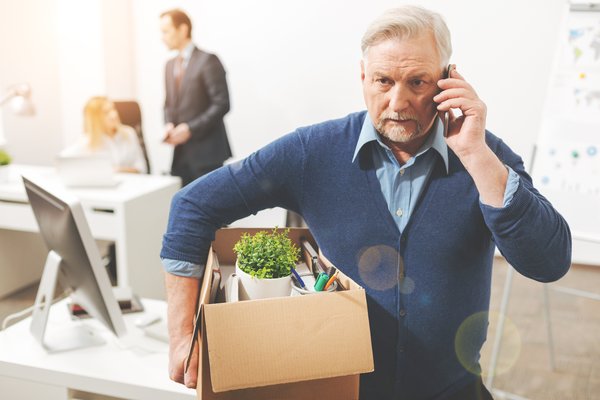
(252, 288)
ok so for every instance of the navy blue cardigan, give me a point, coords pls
(428, 290)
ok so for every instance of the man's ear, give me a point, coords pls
(362, 70)
(184, 29)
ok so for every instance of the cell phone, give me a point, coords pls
(447, 113)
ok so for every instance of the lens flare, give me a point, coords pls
(378, 267)
(407, 285)
(468, 336)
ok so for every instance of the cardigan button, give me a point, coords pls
(402, 312)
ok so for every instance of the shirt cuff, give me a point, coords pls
(512, 183)
(183, 268)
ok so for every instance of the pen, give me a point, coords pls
(297, 276)
(330, 281)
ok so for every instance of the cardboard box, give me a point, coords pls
(303, 347)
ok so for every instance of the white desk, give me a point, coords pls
(133, 214)
(135, 367)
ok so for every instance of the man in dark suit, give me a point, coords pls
(196, 101)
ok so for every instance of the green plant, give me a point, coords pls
(4, 157)
(267, 254)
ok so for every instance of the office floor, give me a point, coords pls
(576, 332)
(524, 361)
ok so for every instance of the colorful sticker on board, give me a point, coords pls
(575, 154)
(576, 33)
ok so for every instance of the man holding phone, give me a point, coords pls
(410, 214)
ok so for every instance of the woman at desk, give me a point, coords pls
(105, 134)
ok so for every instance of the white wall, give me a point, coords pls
(29, 53)
(289, 63)
(297, 63)
(81, 61)
(68, 50)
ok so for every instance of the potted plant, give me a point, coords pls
(5, 160)
(264, 262)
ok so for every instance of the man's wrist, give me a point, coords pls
(489, 174)
(475, 155)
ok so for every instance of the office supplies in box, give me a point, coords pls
(289, 347)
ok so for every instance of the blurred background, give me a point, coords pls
(288, 64)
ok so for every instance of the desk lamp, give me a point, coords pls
(19, 96)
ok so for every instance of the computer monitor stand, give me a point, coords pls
(61, 338)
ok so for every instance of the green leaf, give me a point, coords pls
(267, 254)
(5, 158)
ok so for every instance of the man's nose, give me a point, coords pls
(399, 98)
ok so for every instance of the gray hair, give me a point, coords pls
(409, 22)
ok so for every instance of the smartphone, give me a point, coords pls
(447, 113)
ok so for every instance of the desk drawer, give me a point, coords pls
(17, 216)
(103, 222)
(15, 388)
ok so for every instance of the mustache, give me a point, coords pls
(396, 116)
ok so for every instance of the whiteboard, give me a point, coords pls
(566, 166)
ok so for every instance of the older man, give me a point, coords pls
(408, 213)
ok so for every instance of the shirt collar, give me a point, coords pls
(186, 53)
(435, 140)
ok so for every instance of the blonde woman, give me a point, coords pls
(105, 134)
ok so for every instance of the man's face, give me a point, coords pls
(171, 36)
(399, 82)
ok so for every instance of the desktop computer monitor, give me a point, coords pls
(74, 262)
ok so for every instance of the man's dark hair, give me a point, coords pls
(179, 18)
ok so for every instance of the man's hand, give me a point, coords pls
(178, 135)
(466, 137)
(466, 134)
(182, 293)
(168, 130)
(178, 351)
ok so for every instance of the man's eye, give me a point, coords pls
(418, 82)
(383, 81)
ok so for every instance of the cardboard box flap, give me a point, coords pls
(211, 262)
(345, 282)
(295, 339)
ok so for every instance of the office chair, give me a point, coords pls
(130, 114)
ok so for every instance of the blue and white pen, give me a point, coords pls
(297, 276)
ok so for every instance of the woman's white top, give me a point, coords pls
(123, 148)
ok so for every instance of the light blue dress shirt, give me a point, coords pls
(402, 185)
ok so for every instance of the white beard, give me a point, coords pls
(398, 133)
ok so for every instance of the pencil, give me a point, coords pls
(330, 281)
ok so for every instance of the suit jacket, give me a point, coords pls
(202, 102)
